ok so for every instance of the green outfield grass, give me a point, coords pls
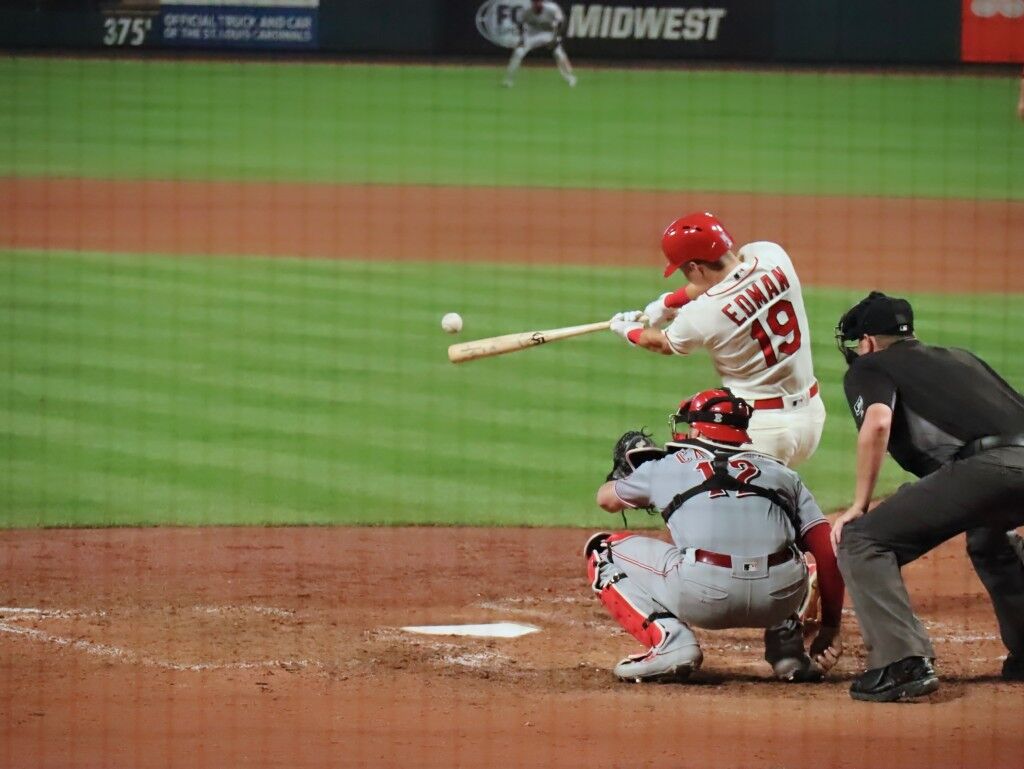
(144, 389)
(816, 133)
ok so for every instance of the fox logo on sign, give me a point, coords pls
(498, 21)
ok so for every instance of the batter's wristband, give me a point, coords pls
(677, 299)
(633, 335)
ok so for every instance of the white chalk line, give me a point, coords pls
(49, 613)
(128, 656)
(271, 611)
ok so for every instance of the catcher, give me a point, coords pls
(737, 519)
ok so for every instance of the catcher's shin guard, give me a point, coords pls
(672, 650)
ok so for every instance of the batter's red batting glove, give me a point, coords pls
(627, 325)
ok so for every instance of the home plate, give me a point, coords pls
(489, 630)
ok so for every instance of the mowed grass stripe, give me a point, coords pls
(251, 485)
(281, 411)
(773, 132)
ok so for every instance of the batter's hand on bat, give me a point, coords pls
(658, 314)
(827, 648)
(623, 323)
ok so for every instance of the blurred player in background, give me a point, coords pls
(540, 25)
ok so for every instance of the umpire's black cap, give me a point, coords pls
(877, 314)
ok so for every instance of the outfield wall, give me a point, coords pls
(813, 31)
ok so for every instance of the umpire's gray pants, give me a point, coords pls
(983, 496)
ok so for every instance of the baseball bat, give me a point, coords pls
(500, 345)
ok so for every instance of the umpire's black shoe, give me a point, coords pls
(910, 677)
(1013, 668)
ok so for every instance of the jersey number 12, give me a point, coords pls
(782, 321)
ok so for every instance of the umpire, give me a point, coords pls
(952, 421)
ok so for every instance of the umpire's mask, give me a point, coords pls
(876, 314)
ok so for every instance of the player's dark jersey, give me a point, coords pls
(942, 398)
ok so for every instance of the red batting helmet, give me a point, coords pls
(718, 414)
(694, 238)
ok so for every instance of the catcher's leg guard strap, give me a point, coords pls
(632, 608)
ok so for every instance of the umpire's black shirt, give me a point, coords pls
(942, 398)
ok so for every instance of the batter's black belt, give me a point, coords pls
(990, 442)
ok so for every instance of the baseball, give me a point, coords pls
(452, 322)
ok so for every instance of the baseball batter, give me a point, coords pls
(746, 308)
(736, 518)
(540, 25)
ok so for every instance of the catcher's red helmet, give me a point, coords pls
(718, 414)
(694, 238)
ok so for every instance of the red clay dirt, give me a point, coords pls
(896, 243)
(282, 648)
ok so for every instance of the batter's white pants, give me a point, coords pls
(791, 435)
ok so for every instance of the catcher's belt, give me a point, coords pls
(727, 561)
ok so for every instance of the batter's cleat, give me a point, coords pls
(572, 81)
(910, 677)
(1013, 668)
(507, 83)
(661, 665)
(797, 670)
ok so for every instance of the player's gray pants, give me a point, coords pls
(714, 597)
(982, 496)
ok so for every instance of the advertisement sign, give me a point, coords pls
(648, 29)
(130, 23)
(278, 24)
(992, 30)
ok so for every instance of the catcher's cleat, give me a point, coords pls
(797, 670)
(910, 677)
(663, 664)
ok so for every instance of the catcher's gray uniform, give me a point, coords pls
(733, 560)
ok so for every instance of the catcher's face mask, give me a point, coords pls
(718, 414)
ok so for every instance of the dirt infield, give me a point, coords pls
(282, 647)
(941, 245)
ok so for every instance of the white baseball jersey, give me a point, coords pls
(754, 325)
(549, 19)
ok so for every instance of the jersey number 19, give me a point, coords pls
(782, 321)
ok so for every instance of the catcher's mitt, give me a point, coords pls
(631, 450)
